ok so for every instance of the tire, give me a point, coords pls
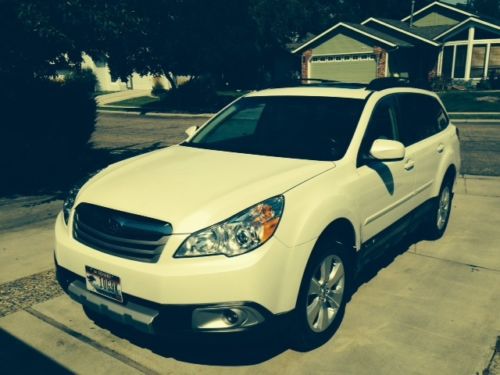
(322, 296)
(436, 224)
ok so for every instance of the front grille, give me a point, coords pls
(119, 233)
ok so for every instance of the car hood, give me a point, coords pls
(193, 188)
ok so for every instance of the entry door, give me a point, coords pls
(384, 188)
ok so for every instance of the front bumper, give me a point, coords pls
(269, 276)
(156, 319)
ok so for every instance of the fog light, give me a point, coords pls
(233, 316)
(210, 318)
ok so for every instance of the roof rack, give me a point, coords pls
(389, 82)
(330, 83)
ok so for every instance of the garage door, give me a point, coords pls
(346, 68)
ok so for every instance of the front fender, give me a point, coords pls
(312, 207)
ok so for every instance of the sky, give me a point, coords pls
(453, 2)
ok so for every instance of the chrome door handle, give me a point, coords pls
(409, 164)
(440, 148)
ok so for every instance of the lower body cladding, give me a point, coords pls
(156, 319)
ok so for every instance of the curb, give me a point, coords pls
(154, 114)
(465, 120)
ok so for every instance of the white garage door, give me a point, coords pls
(346, 68)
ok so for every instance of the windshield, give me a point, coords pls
(314, 128)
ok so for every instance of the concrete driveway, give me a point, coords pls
(425, 308)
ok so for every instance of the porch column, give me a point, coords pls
(470, 46)
(381, 57)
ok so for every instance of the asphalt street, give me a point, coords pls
(424, 308)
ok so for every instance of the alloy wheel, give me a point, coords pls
(326, 292)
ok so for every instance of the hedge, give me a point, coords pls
(44, 127)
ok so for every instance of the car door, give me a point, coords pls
(384, 187)
(420, 121)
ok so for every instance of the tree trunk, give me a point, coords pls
(172, 80)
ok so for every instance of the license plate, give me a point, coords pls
(103, 283)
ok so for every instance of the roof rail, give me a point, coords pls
(319, 82)
(389, 82)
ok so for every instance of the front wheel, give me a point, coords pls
(322, 297)
(437, 222)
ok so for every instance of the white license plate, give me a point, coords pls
(103, 283)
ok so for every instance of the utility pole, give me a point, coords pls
(412, 11)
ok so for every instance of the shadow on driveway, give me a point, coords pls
(235, 349)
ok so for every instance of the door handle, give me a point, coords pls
(440, 148)
(409, 164)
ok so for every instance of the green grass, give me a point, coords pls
(471, 101)
(97, 93)
(475, 117)
(136, 102)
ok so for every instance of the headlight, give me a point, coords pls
(237, 235)
(73, 193)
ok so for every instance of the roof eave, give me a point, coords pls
(470, 19)
(449, 7)
(431, 42)
(342, 24)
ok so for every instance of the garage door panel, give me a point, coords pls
(348, 71)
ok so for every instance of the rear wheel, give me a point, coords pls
(322, 297)
(437, 222)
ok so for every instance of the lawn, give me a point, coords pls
(455, 101)
(139, 102)
(471, 101)
(155, 104)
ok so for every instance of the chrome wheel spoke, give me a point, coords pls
(334, 299)
(336, 275)
(323, 321)
(324, 270)
(313, 311)
(314, 287)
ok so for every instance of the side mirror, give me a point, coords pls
(387, 150)
(191, 130)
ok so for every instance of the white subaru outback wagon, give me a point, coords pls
(263, 215)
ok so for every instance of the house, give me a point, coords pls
(135, 81)
(437, 40)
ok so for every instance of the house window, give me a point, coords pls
(460, 62)
(478, 60)
(447, 61)
(342, 58)
(494, 60)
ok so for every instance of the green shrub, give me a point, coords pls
(82, 79)
(158, 89)
(45, 126)
(196, 95)
(484, 84)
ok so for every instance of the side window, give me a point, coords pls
(420, 116)
(382, 125)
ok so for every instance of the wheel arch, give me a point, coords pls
(341, 229)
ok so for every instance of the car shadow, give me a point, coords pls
(238, 349)
(371, 269)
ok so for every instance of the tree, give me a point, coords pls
(490, 8)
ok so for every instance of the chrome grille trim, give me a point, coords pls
(119, 233)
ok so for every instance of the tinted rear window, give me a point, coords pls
(421, 116)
